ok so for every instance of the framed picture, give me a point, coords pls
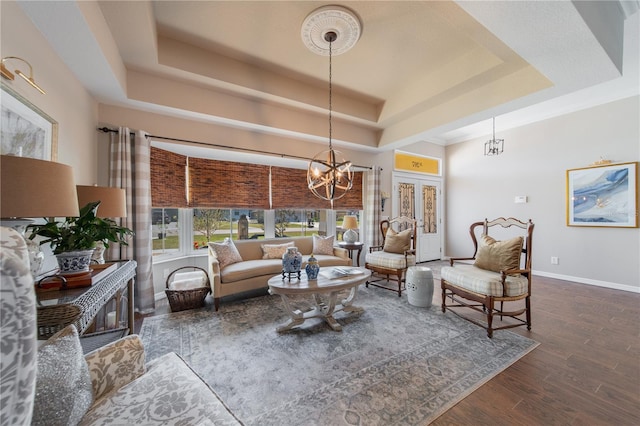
(25, 129)
(603, 196)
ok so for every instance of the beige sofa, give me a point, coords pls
(253, 271)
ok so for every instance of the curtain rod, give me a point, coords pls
(210, 145)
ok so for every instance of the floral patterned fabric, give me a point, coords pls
(169, 393)
(115, 365)
(18, 330)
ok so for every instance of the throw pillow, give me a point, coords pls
(63, 386)
(499, 256)
(275, 251)
(226, 252)
(397, 242)
(322, 245)
(116, 364)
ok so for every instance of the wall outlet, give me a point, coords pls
(519, 199)
(554, 260)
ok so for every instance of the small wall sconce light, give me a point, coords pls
(494, 146)
(4, 71)
(384, 196)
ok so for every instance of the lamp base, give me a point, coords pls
(350, 236)
(36, 256)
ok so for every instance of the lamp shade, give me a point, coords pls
(350, 222)
(36, 188)
(112, 200)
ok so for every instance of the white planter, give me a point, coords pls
(73, 262)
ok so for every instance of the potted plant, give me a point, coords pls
(74, 239)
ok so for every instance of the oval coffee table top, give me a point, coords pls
(278, 285)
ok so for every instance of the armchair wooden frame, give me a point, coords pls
(381, 273)
(487, 304)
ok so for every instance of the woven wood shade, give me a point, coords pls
(289, 190)
(224, 184)
(353, 199)
(168, 177)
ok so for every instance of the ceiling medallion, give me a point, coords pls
(337, 19)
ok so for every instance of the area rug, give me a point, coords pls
(392, 364)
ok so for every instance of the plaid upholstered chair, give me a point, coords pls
(500, 272)
(396, 253)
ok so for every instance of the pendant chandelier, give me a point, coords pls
(329, 175)
(494, 146)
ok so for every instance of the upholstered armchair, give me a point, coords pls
(496, 278)
(396, 253)
(57, 384)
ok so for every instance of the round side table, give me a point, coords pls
(351, 247)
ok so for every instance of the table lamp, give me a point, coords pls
(350, 223)
(32, 188)
(112, 205)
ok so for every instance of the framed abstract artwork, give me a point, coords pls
(25, 129)
(604, 195)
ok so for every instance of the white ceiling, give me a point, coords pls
(422, 70)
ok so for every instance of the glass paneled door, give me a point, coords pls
(420, 198)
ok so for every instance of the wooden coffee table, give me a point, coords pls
(324, 292)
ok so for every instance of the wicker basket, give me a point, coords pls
(181, 300)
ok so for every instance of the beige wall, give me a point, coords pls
(66, 100)
(534, 164)
(200, 131)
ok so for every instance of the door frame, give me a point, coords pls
(397, 177)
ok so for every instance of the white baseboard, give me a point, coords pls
(589, 281)
(160, 296)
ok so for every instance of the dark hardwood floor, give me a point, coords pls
(586, 370)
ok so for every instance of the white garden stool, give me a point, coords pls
(419, 286)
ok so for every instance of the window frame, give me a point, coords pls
(186, 232)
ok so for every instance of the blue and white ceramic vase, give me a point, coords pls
(291, 260)
(312, 268)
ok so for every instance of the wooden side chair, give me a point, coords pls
(501, 272)
(396, 253)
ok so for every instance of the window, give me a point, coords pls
(218, 224)
(165, 231)
(298, 223)
(187, 231)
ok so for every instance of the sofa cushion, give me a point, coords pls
(63, 385)
(323, 245)
(482, 281)
(170, 392)
(275, 251)
(499, 256)
(390, 260)
(249, 269)
(226, 252)
(397, 242)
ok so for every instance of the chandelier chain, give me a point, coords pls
(330, 94)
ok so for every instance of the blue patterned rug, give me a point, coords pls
(392, 364)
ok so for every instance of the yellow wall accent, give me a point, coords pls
(416, 163)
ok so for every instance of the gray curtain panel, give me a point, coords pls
(372, 212)
(130, 169)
